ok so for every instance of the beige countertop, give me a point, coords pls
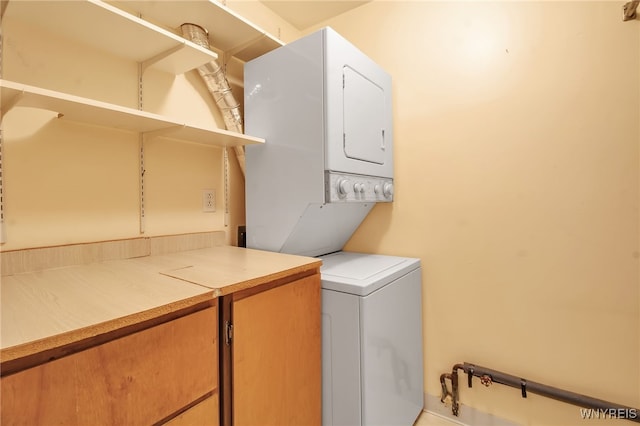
(229, 269)
(46, 309)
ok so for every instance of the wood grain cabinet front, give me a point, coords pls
(273, 361)
(147, 377)
(205, 413)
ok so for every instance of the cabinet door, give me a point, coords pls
(138, 379)
(204, 413)
(277, 356)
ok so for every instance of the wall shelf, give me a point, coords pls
(110, 29)
(99, 113)
(147, 33)
(228, 31)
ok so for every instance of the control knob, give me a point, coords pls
(387, 189)
(342, 185)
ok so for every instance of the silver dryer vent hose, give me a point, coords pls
(214, 78)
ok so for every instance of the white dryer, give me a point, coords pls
(324, 109)
(372, 360)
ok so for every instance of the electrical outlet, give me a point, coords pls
(208, 200)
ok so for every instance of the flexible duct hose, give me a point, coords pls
(213, 76)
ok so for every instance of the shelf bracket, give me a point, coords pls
(228, 54)
(165, 131)
(3, 7)
(160, 56)
(630, 10)
(8, 104)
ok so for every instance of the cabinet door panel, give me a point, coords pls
(137, 379)
(277, 356)
(204, 413)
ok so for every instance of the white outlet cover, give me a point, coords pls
(208, 200)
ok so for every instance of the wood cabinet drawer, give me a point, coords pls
(140, 378)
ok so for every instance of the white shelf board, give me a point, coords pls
(99, 113)
(228, 31)
(110, 29)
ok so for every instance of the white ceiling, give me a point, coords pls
(303, 14)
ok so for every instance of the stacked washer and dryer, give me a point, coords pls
(324, 109)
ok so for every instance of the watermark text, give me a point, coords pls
(609, 413)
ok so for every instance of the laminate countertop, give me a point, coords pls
(44, 310)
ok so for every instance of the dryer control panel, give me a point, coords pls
(345, 187)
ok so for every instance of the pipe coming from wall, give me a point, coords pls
(488, 376)
(217, 84)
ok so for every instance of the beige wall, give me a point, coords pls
(517, 170)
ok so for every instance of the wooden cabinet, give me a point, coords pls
(205, 413)
(272, 354)
(166, 371)
(222, 335)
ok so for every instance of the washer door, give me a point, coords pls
(362, 273)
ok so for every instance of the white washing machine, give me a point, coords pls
(372, 365)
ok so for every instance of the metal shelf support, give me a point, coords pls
(630, 10)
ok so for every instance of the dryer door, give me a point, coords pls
(364, 124)
(358, 116)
